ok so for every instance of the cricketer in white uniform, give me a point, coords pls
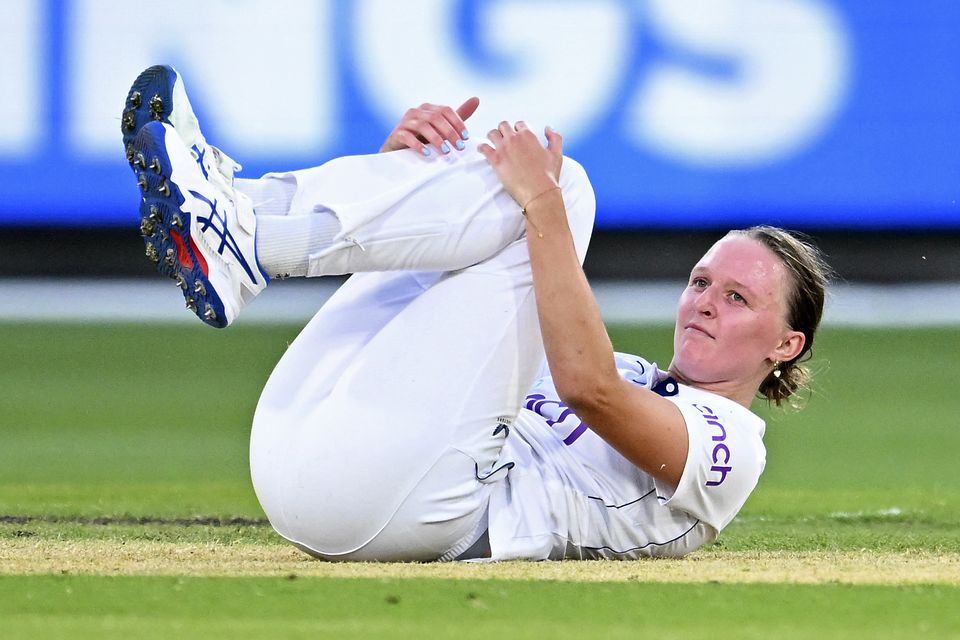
(413, 418)
(571, 495)
(407, 420)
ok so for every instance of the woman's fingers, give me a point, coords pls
(437, 125)
(448, 125)
(554, 141)
(428, 126)
(507, 130)
(521, 162)
(464, 112)
(488, 152)
(410, 140)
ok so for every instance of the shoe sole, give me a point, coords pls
(166, 226)
(150, 99)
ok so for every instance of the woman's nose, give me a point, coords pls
(705, 304)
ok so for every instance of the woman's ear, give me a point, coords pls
(790, 347)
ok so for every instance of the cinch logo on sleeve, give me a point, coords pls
(721, 452)
(558, 416)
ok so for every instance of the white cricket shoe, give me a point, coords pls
(197, 234)
(158, 94)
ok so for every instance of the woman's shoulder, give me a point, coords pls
(712, 405)
(636, 368)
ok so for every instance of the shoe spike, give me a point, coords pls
(130, 152)
(191, 304)
(176, 221)
(136, 99)
(129, 121)
(155, 165)
(164, 188)
(209, 313)
(146, 227)
(171, 257)
(152, 254)
(199, 288)
(155, 214)
(142, 181)
(156, 107)
(140, 161)
(180, 281)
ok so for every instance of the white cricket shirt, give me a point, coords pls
(569, 494)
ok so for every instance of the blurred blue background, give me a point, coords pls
(688, 114)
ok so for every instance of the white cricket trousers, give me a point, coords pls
(379, 433)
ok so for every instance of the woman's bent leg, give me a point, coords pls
(381, 427)
(394, 211)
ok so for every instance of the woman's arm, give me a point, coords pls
(647, 429)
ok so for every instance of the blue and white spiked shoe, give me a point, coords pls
(196, 234)
(158, 95)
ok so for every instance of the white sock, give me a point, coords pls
(285, 243)
(271, 195)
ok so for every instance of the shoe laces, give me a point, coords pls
(224, 164)
(219, 168)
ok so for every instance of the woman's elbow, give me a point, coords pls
(586, 396)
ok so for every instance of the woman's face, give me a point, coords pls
(731, 321)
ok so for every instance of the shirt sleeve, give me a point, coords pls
(725, 458)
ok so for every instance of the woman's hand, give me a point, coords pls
(434, 124)
(524, 166)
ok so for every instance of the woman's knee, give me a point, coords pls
(580, 202)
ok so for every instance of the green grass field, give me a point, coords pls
(124, 450)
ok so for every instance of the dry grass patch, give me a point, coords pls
(101, 557)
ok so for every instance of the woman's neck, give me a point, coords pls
(742, 393)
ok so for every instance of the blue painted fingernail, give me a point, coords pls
(445, 147)
(465, 134)
(426, 151)
(461, 145)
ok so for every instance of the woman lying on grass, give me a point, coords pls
(416, 417)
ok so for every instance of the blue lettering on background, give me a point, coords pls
(683, 119)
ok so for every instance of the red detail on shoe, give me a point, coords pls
(200, 260)
(182, 252)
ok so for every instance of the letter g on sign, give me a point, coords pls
(556, 63)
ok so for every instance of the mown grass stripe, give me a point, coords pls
(26, 556)
(279, 607)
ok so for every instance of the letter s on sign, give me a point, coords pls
(790, 58)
